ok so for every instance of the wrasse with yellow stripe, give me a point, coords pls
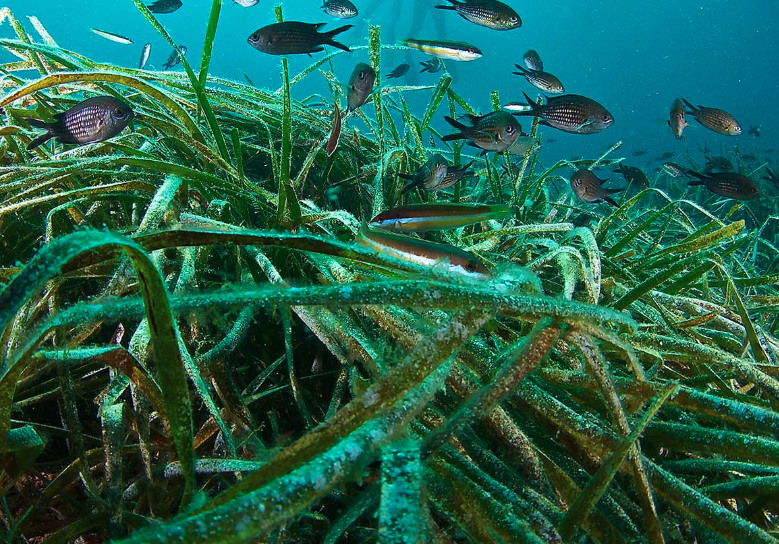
(424, 217)
(422, 252)
(445, 49)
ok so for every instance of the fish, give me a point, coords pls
(430, 254)
(400, 71)
(174, 58)
(524, 145)
(428, 176)
(343, 9)
(335, 131)
(533, 61)
(727, 184)
(634, 176)
(639, 152)
(714, 119)
(488, 13)
(583, 220)
(360, 85)
(541, 80)
(754, 131)
(454, 174)
(665, 156)
(144, 56)
(675, 170)
(425, 217)
(111, 36)
(496, 131)
(571, 113)
(588, 187)
(164, 6)
(678, 121)
(246, 3)
(433, 65)
(771, 176)
(92, 120)
(718, 164)
(445, 49)
(294, 37)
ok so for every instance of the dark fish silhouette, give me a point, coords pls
(570, 113)
(714, 119)
(588, 187)
(165, 6)
(718, 164)
(496, 131)
(490, 13)
(541, 80)
(360, 85)
(294, 37)
(771, 176)
(532, 60)
(400, 71)
(174, 58)
(433, 65)
(639, 152)
(634, 176)
(727, 184)
(754, 131)
(95, 119)
(343, 9)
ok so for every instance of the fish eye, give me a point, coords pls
(119, 112)
(363, 74)
(514, 19)
(470, 266)
(254, 37)
(509, 129)
(606, 117)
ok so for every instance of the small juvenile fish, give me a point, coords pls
(360, 85)
(111, 36)
(428, 176)
(727, 184)
(294, 37)
(433, 65)
(675, 170)
(496, 131)
(95, 119)
(489, 13)
(719, 121)
(444, 49)
(422, 252)
(400, 71)
(425, 217)
(174, 58)
(541, 80)
(754, 131)
(335, 131)
(571, 113)
(639, 152)
(718, 164)
(634, 176)
(454, 174)
(533, 61)
(144, 56)
(678, 121)
(164, 6)
(771, 176)
(588, 187)
(246, 3)
(343, 9)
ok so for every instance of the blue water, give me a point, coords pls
(633, 57)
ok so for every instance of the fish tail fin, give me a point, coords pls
(43, 138)
(613, 191)
(611, 201)
(453, 7)
(425, 67)
(330, 35)
(522, 70)
(620, 169)
(455, 123)
(693, 108)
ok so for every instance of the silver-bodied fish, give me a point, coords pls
(454, 174)
(360, 85)
(678, 121)
(164, 6)
(174, 58)
(589, 187)
(144, 56)
(95, 119)
(433, 65)
(496, 131)
(675, 170)
(570, 113)
(118, 38)
(294, 37)
(428, 176)
(727, 184)
(533, 61)
(719, 121)
(425, 217)
(343, 9)
(430, 254)
(444, 49)
(400, 71)
(541, 80)
(489, 13)
(246, 3)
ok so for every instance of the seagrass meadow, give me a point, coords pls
(194, 348)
